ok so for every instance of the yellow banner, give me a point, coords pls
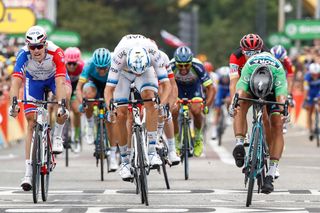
(1, 10)
(17, 20)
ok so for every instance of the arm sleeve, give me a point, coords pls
(19, 68)
(117, 64)
(280, 82)
(84, 76)
(202, 74)
(243, 83)
(158, 64)
(58, 59)
(288, 66)
(234, 66)
(306, 82)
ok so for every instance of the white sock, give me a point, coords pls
(272, 168)
(90, 122)
(171, 144)
(28, 168)
(113, 150)
(123, 153)
(152, 138)
(58, 128)
(239, 140)
(160, 128)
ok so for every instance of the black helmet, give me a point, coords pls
(261, 81)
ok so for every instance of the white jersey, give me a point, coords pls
(119, 59)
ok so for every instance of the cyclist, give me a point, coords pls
(311, 90)
(263, 63)
(191, 78)
(74, 66)
(91, 84)
(222, 95)
(137, 59)
(41, 64)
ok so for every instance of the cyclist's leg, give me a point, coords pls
(120, 134)
(309, 106)
(171, 143)
(147, 84)
(240, 130)
(217, 107)
(75, 119)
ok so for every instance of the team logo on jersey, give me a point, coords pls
(122, 54)
(234, 68)
(264, 60)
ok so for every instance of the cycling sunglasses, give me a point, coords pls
(38, 46)
(102, 68)
(182, 65)
(72, 63)
(250, 52)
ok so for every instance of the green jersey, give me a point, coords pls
(278, 73)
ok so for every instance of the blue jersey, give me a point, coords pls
(90, 72)
(310, 83)
(196, 75)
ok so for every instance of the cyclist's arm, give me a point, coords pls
(60, 87)
(18, 74)
(232, 86)
(306, 88)
(174, 92)
(210, 90)
(79, 90)
(16, 83)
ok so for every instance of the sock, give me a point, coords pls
(77, 133)
(197, 133)
(152, 138)
(171, 144)
(272, 167)
(90, 122)
(160, 128)
(113, 150)
(28, 168)
(123, 153)
(239, 140)
(58, 128)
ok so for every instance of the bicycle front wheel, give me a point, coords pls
(102, 150)
(253, 166)
(36, 163)
(316, 131)
(142, 168)
(163, 152)
(186, 145)
(45, 175)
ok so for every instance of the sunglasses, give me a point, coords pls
(182, 65)
(250, 52)
(102, 68)
(72, 63)
(39, 46)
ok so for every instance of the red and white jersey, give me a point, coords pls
(74, 76)
(53, 65)
(167, 64)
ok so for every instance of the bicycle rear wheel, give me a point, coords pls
(102, 149)
(142, 168)
(45, 174)
(253, 166)
(36, 163)
(186, 150)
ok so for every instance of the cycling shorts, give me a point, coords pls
(98, 85)
(190, 90)
(310, 96)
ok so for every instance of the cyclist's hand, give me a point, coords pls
(63, 112)
(14, 110)
(291, 101)
(233, 111)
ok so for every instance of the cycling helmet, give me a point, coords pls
(183, 55)
(72, 54)
(279, 52)
(208, 66)
(36, 35)
(101, 57)
(251, 42)
(261, 81)
(223, 71)
(314, 68)
(138, 60)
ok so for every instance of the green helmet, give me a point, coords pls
(102, 57)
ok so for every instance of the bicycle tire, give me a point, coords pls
(67, 139)
(142, 169)
(107, 149)
(253, 167)
(186, 150)
(162, 154)
(36, 162)
(316, 131)
(102, 150)
(45, 178)
(221, 128)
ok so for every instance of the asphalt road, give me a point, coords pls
(215, 184)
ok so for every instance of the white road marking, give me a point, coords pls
(222, 152)
(34, 210)
(7, 157)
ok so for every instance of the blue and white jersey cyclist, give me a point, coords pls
(137, 60)
(191, 79)
(40, 65)
(311, 90)
(91, 84)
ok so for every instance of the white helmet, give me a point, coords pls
(36, 35)
(314, 68)
(138, 60)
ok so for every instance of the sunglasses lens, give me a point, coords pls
(72, 63)
(39, 47)
(182, 65)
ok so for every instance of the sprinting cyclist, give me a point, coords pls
(40, 63)
(137, 60)
(222, 96)
(191, 79)
(74, 65)
(311, 91)
(260, 64)
(91, 84)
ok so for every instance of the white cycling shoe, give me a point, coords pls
(57, 145)
(26, 183)
(125, 171)
(173, 158)
(113, 165)
(154, 159)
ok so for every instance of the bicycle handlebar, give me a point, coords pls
(113, 104)
(186, 101)
(92, 100)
